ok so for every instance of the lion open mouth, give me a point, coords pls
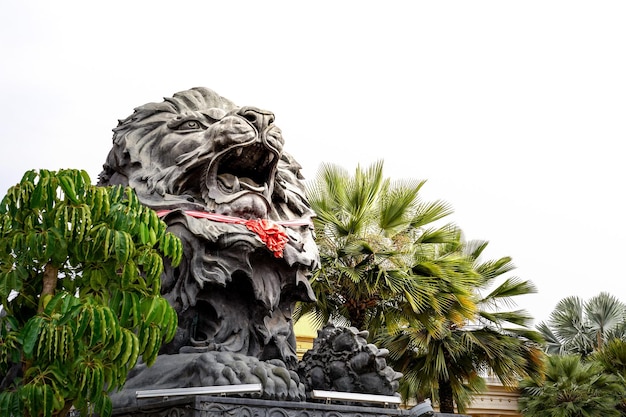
(242, 170)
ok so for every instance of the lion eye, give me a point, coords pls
(187, 125)
(190, 125)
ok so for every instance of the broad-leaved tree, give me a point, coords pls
(80, 271)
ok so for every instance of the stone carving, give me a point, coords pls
(342, 360)
(214, 369)
(245, 407)
(219, 177)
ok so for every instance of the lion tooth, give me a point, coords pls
(270, 158)
(239, 151)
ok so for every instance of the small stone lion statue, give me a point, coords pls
(218, 176)
(342, 360)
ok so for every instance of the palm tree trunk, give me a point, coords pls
(357, 312)
(446, 399)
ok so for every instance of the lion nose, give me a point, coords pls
(260, 119)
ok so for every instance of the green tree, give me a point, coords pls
(367, 227)
(80, 270)
(473, 335)
(582, 327)
(415, 287)
(612, 357)
(571, 387)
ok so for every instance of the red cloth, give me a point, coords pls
(272, 234)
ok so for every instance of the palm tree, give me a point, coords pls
(366, 228)
(571, 388)
(576, 326)
(387, 269)
(447, 362)
(612, 357)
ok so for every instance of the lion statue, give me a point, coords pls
(342, 360)
(218, 176)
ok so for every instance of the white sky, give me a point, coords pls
(513, 111)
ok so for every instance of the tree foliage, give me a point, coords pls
(387, 267)
(571, 387)
(581, 327)
(612, 357)
(581, 335)
(367, 227)
(445, 353)
(80, 270)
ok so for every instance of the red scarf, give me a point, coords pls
(271, 233)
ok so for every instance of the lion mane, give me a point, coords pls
(197, 152)
(162, 148)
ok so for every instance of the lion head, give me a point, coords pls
(212, 169)
(197, 150)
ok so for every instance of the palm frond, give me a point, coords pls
(427, 213)
(500, 318)
(496, 268)
(475, 248)
(396, 209)
(604, 312)
(503, 293)
(448, 233)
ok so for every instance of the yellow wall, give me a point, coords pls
(496, 401)
(306, 332)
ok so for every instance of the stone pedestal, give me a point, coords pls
(210, 406)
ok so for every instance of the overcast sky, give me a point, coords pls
(513, 111)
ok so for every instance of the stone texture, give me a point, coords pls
(209, 406)
(224, 185)
(220, 179)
